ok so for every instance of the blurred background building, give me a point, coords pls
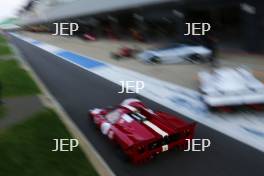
(237, 23)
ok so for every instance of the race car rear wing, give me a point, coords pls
(177, 139)
(148, 149)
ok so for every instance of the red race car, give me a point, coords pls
(140, 132)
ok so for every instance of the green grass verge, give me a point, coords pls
(2, 111)
(2, 39)
(5, 50)
(25, 150)
(15, 80)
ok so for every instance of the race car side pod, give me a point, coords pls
(147, 150)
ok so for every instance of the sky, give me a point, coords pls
(8, 8)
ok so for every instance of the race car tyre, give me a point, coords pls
(155, 60)
(115, 56)
(222, 109)
(196, 58)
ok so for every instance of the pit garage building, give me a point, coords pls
(237, 23)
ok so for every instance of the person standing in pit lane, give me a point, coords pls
(211, 43)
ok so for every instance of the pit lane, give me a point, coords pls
(78, 91)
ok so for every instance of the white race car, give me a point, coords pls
(228, 87)
(176, 53)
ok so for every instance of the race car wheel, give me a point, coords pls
(115, 56)
(196, 58)
(222, 109)
(155, 60)
(120, 153)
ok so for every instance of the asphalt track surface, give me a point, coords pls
(78, 90)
